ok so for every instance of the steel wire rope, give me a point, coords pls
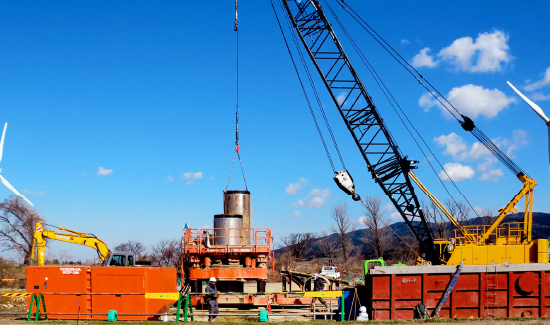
(237, 149)
(303, 89)
(312, 84)
(387, 93)
(501, 156)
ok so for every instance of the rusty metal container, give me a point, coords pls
(239, 203)
(228, 229)
(98, 289)
(482, 291)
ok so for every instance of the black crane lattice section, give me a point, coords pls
(385, 163)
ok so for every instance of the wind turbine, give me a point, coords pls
(8, 185)
(537, 110)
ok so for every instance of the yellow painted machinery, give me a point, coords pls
(495, 243)
(106, 257)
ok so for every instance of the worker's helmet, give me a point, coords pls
(212, 279)
(316, 275)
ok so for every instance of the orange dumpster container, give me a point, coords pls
(97, 289)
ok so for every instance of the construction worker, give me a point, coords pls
(318, 285)
(211, 299)
(363, 316)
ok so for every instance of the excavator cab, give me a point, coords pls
(120, 259)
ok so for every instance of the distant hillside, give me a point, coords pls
(541, 229)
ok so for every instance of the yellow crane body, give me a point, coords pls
(495, 243)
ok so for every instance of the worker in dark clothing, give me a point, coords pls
(211, 299)
(318, 285)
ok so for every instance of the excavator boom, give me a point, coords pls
(41, 234)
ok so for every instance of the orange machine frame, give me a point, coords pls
(247, 260)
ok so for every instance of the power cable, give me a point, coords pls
(313, 87)
(303, 89)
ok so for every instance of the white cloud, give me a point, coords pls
(423, 59)
(341, 97)
(292, 189)
(170, 178)
(488, 53)
(394, 217)
(212, 178)
(461, 152)
(472, 101)
(488, 171)
(388, 207)
(315, 199)
(191, 177)
(427, 101)
(405, 41)
(296, 214)
(539, 84)
(457, 172)
(453, 144)
(104, 172)
(33, 192)
(539, 96)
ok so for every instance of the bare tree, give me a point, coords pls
(167, 252)
(299, 244)
(379, 237)
(64, 256)
(436, 218)
(343, 227)
(135, 247)
(487, 216)
(17, 222)
(460, 210)
(326, 245)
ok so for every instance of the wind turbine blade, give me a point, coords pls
(29, 202)
(534, 106)
(2, 141)
(548, 144)
(8, 185)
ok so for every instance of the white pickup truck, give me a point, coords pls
(330, 271)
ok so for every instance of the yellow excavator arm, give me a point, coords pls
(72, 236)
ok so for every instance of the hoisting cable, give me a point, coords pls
(312, 84)
(237, 148)
(466, 123)
(388, 94)
(303, 89)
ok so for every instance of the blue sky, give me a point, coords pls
(147, 90)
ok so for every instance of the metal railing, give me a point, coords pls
(512, 232)
(232, 239)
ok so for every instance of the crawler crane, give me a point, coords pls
(391, 170)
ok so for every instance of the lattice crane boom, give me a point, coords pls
(385, 163)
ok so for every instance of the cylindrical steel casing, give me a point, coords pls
(239, 202)
(228, 228)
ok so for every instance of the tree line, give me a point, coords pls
(17, 226)
(343, 243)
